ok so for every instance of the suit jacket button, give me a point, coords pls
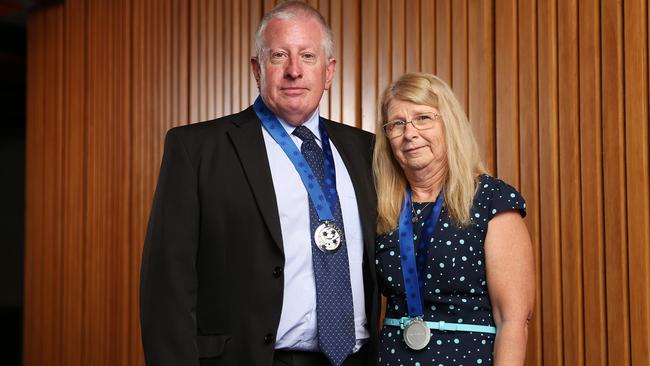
(268, 338)
(277, 272)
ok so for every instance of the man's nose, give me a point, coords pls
(293, 69)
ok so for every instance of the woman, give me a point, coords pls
(454, 257)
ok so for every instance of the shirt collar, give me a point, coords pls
(311, 124)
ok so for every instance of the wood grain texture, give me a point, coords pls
(615, 224)
(551, 256)
(507, 93)
(637, 175)
(592, 184)
(557, 92)
(529, 142)
(480, 79)
(570, 189)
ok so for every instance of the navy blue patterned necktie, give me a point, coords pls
(334, 310)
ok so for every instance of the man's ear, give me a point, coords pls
(256, 68)
(330, 69)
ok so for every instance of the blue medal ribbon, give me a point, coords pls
(412, 271)
(323, 198)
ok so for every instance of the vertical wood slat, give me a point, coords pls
(479, 78)
(398, 38)
(235, 53)
(637, 175)
(139, 167)
(428, 36)
(384, 49)
(219, 30)
(459, 52)
(350, 62)
(227, 66)
(412, 35)
(120, 207)
(567, 120)
(592, 186)
(570, 190)
(33, 342)
(443, 40)
(54, 143)
(202, 61)
(194, 62)
(507, 92)
(369, 56)
(549, 183)
(254, 20)
(336, 92)
(324, 108)
(209, 34)
(244, 56)
(74, 172)
(529, 142)
(617, 297)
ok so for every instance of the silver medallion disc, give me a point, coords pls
(417, 334)
(328, 237)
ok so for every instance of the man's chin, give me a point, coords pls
(296, 114)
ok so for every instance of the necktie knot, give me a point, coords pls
(304, 134)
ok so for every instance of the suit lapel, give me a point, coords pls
(249, 144)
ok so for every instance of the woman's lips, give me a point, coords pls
(413, 149)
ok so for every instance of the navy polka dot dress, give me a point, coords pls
(455, 288)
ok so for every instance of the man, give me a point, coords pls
(260, 245)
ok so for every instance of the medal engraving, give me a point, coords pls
(417, 334)
(328, 237)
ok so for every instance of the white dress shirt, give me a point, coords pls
(298, 326)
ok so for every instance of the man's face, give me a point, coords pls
(293, 71)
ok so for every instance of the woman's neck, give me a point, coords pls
(426, 183)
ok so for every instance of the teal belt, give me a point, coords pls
(444, 326)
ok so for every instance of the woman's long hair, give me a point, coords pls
(463, 160)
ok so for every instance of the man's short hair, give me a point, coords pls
(293, 10)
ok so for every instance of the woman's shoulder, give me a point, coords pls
(496, 195)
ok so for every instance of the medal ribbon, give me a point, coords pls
(323, 198)
(413, 273)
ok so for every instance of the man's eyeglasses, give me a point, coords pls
(397, 127)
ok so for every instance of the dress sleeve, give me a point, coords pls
(505, 198)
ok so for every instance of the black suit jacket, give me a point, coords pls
(212, 267)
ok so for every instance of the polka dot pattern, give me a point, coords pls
(455, 285)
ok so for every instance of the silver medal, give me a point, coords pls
(328, 237)
(417, 334)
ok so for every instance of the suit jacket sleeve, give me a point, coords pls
(168, 279)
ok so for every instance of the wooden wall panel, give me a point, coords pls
(569, 175)
(637, 175)
(443, 40)
(551, 257)
(459, 51)
(428, 36)
(615, 224)
(507, 93)
(591, 172)
(369, 56)
(480, 80)
(350, 68)
(73, 213)
(529, 160)
(557, 92)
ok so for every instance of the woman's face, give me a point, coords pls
(418, 149)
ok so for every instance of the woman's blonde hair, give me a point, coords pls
(463, 160)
